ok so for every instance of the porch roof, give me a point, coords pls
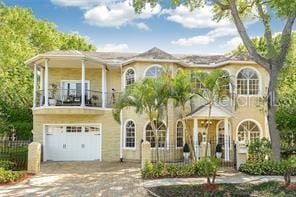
(217, 112)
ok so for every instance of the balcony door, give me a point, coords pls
(72, 89)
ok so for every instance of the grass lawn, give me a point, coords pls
(246, 189)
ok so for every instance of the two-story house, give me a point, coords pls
(74, 93)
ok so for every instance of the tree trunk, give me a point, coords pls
(155, 133)
(207, 128)
(188, 135)
(271, 115)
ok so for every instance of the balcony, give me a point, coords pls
(72, 98)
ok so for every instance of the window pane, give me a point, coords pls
(130, 134)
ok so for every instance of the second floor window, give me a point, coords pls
(247, 82)
(153, 71)
(129, 77)
(73, 88)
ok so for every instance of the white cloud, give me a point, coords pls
(198, 18)
(112, 47)
(222, 32)
(196, 40)
(143, 26)
(233, 43)
(84, 4)
(118, 14)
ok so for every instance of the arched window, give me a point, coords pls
(248, 131)
(129, 77)
(130, 131)
(180, 134)
(153, 71)
(161, 131)
(247, 82)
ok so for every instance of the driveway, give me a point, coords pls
(81, 179)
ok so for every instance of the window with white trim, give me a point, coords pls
(153, 71)
(196, 84)
(161, 131)
(180, 134)
(73, 129)
(247, 82)
(248, 131)
(92, 129)
(130, 131)
(129, 77)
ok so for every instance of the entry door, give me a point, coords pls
(72, 143)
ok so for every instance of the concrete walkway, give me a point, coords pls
(222, 178)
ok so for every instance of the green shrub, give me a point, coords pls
(7, 165)
(259, 150)
(7, 176)
(197, 168)
(265, 168)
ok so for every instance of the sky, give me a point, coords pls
(112, 25)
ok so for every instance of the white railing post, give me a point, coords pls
(104, 86)
(35, 85)
(46, 82)
(195, 137)
(82, 82)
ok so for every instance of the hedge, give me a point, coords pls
(195, 169)
(265, 168)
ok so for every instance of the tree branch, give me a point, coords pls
(245, 37)
(285, 40)
(221, 5)
(265, 18)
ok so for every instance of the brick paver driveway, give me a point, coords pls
(81, 179)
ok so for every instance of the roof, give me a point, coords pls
(203, 111)
(154, 54)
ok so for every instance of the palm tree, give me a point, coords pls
(149, 97)
(182, 94)
(215, 86)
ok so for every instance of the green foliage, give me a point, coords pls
(7, 165)
(8, 176)
(266, 168)
(210, 165)
(259, 150)
(198, 168)
(22, 37)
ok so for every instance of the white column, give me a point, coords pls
(121, 136)
(104, 86)
(35, 85)
(46, 83)
(82, 83)
(41, 86)
(195, 137)
(226, 140)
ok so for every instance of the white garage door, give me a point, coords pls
(72, 142)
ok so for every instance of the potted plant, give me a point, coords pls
(52, 101)
(186, 152)
(219, 151)
(95, 100)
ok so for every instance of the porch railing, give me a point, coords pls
(73, 97)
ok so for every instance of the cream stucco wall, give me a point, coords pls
(111, 129)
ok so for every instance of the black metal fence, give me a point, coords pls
(15, 151)
(174, 155)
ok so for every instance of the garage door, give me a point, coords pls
(72, 142)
